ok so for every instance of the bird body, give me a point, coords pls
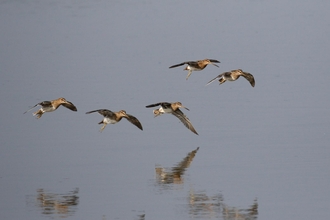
(50, 106)
(196, 65)
(234, 75)
(160, 111)
(173, 108)
(111, 117)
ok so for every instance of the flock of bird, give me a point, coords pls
(111, 117)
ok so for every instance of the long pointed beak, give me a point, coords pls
(185, 108)
(215, 64)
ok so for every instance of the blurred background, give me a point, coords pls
(261, 153)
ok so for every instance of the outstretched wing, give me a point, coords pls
(176, 65)
(43, 104)
(134, 121)
(104, 112)
(190, 63)
(218, 77)
(157, 104)
(184, 119)
(249, 78)
(70, 106)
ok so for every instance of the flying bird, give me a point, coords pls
(234, 75)
(50, 106)
(111, 117)
(196, 65)
(173, 108)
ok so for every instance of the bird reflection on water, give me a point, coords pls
(54, 204)
(175, 174)
(141, 217)
(203, 206)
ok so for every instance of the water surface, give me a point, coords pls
(261, 153)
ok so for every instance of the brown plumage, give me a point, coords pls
(196, 65)
(173, 108)
(111, 117)
(234, 75)
(50, 106)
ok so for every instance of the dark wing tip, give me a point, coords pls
(153, 105)
(191, 128)
(138, 124)
(73, 108)
(250, 78)
(134, 121)
(185, 120)
(176, 65)
(253, 82)
(70, 106)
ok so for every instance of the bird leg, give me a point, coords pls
(102, 128)
(189, 73)
(38, 113)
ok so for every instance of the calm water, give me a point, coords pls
(261, 153)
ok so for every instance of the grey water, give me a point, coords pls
(261, 153)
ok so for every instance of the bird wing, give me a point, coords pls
(181, 167)
(157, 104)
(218, 77)
(249, 78)
(153, 105)
(176, 65)
(134, 121)
(70, 106)
(184, 119)
(43, 104)
(104, 112)
(190, 63)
